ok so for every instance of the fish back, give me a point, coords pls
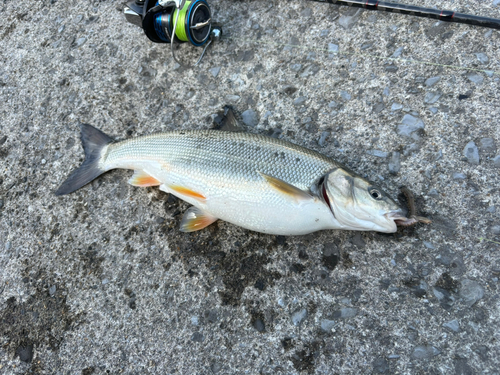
(216, 154)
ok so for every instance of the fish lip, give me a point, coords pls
(400, 219)
(397, 216)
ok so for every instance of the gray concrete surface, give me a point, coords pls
(102, 282)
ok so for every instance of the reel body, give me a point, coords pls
(157, 19)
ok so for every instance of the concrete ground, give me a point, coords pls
(102, 282)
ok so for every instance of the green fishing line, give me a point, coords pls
(180, 30)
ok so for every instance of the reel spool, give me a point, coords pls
(176, 21)
(193, 25)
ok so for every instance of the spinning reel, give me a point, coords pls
(166, 21)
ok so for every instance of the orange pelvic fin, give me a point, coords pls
(142, 179)
(187, 192)
(195, 219)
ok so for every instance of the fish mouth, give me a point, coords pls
(399, 218)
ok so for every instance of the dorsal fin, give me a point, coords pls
(286, 188)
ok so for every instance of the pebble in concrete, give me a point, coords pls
(452, 325)
(471, 153)
(299, 316)
(250, 117)
(327, 325)
(471, 292)
(432, 81)
(424, 352)
(409, 125)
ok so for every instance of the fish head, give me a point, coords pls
(358, 204)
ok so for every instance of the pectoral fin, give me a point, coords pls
(195, 219)
(286, 189)
(142, 179)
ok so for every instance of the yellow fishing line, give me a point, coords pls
(398, 59)
(485, 239)
(180, 30)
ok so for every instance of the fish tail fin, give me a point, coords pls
(93, 142)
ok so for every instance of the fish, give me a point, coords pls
(260, 183)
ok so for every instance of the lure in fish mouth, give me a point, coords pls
(256, 182)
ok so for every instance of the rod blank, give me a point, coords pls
(413, 10)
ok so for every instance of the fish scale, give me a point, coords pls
(224, 154)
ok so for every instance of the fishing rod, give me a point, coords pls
(169, 21)
(413, 10)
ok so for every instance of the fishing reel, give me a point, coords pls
(179, 21)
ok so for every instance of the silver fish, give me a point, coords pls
(259, 183)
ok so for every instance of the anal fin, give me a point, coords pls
(187, 192)
(142, 179)
(286, 189)
(195, 219)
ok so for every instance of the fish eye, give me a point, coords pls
(375, 194)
